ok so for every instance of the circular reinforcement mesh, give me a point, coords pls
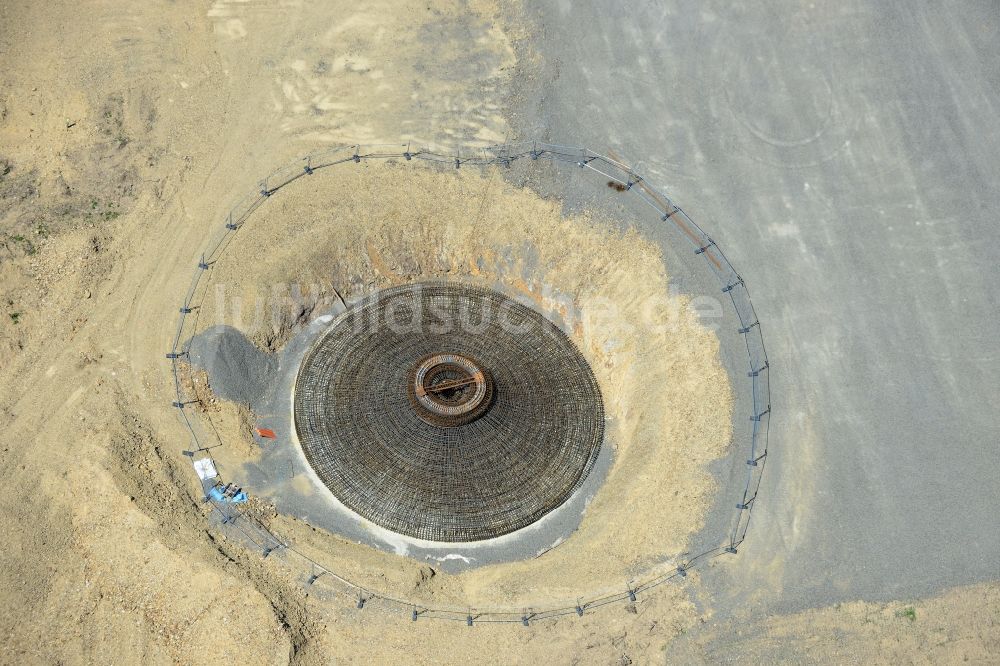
(448, 412)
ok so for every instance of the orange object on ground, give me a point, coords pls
(266, 432)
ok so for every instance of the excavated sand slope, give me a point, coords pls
(350, 230)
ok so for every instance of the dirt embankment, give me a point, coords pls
(346, 232)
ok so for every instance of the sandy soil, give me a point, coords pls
(126, 130)
(125, 133)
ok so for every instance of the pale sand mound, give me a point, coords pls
(359, 228)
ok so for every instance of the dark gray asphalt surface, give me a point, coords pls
(846, 156)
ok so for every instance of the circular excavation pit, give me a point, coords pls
(448, 412)
(351, 482)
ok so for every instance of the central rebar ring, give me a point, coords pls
(449, 389)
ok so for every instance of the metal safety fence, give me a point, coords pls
(753, 386)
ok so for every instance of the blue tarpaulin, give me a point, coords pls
(220, 494)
